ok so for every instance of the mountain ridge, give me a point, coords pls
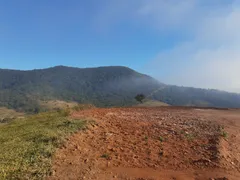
(102, 86)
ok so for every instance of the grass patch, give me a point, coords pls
(189, 137)
(161, 139)
(224, 134)
(105, 156)
(222, 131)
(28, 144)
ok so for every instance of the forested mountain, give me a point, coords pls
(103, 86)
(189, 96)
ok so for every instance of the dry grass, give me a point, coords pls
(9, 114)
(57, 104)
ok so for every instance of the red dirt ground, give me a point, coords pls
(167, 143)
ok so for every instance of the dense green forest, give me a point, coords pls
(103, 86)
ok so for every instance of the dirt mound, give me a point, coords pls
(151, 143)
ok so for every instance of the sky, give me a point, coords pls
(188, 42)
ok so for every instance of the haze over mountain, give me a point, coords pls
(102, 86)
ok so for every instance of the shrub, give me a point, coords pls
(140, 98)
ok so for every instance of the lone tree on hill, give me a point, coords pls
(140, 98)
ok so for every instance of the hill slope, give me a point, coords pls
(187, 96)
(103, 86)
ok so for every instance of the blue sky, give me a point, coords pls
(191, 42)
(37, 34)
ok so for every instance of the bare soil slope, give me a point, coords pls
(167, 143)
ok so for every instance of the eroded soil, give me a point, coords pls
(169, 143)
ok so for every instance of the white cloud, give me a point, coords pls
(210, 56)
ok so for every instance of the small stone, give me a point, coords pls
(53, 173)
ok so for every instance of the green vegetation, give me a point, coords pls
(140, 98)
(189, 137)
(161, 139)
(105, 156)
(105, 87)
(224, 134)
(28, 144)
(31, 91)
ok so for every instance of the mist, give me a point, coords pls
(211, 59)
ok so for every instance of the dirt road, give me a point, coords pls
(168, 143)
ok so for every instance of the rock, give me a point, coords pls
(53, 173)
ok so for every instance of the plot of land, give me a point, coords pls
(169, 143)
